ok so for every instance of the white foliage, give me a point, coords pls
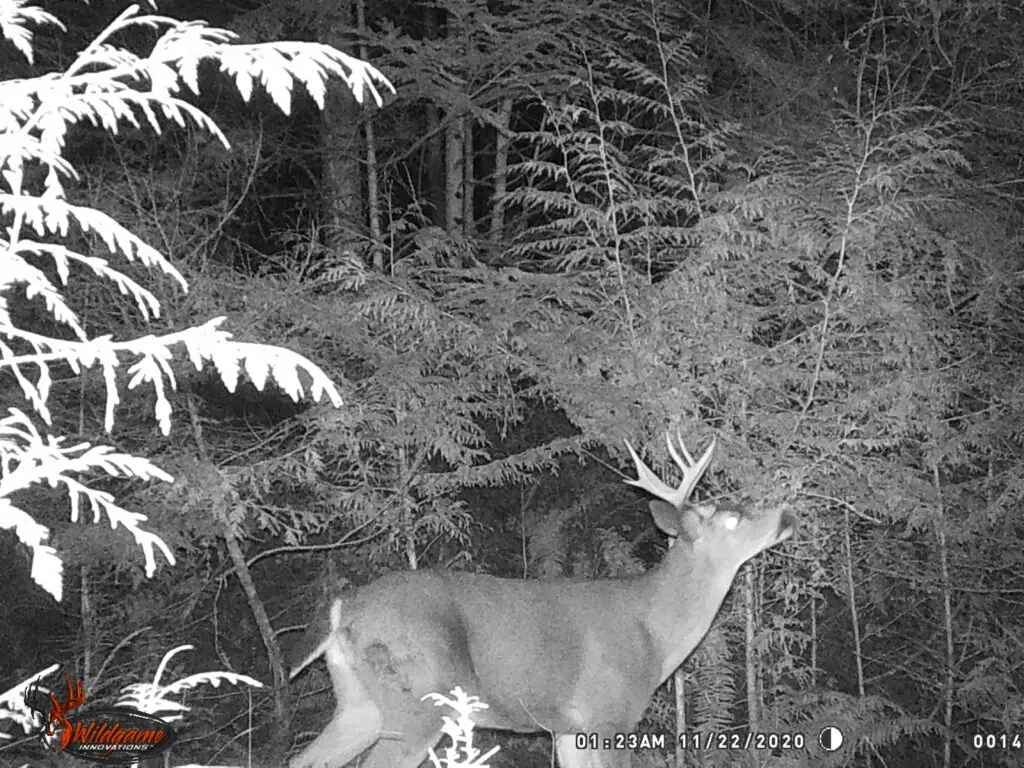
(461, 753)
(156, 699)
(110, 87)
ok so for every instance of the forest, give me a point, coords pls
(296, 294)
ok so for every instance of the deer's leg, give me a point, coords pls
(357, 719)
(352, 729)
(410, 729)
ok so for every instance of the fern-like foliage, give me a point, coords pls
(109, 87)
(866, 722)
(157, 697)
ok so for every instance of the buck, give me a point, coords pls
(567, 657)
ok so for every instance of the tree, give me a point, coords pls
(45, 243)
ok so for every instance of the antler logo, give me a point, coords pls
(57, 722)
(115, 735)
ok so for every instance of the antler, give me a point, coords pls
(692, 471)
(58, 714)
(75, 698)
(76, 694)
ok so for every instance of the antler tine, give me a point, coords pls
(692, 472)
(650, 482)
(76, 697)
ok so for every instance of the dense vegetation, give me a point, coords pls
(790, 225)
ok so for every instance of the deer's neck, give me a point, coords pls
(684, 594)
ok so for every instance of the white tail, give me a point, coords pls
(561, 656)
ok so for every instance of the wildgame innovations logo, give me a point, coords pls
(113, 735)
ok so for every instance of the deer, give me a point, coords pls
(574, 658)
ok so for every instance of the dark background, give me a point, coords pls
(793, 225)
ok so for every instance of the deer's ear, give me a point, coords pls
(682, 523)
(685, 523)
